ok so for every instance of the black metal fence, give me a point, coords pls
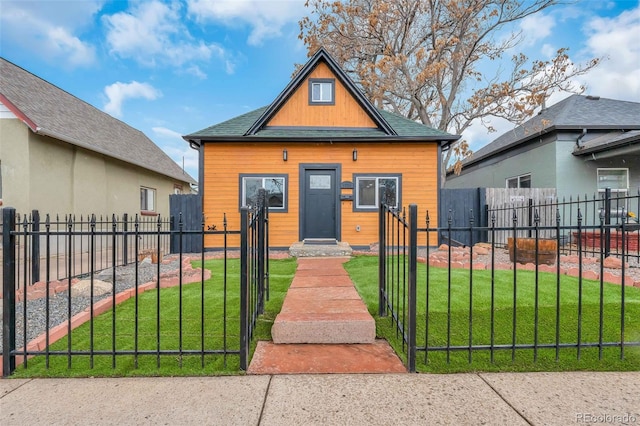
(613, 209)
(71, 243)
(436, 310)
(219, 324)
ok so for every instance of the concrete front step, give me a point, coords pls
(329, 328)
(372, 358)
(323, 315)
(300, 249)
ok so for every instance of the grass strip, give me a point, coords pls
(454, 327)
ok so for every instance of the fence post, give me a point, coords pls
(607, 222)
(35, 246)
(125, 240)
(413, 268)
(244, 288)
(382, 260)
(262, 205)
(173, 239)
(530, 217)
(8, 291)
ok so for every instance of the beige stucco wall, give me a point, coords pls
(14, 158)
(55, 177)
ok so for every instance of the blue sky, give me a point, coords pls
(170, 68)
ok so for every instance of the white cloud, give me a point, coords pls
(266, 17)
(119, 92)
(50, 29)
(536, 27)
(167, 133)
(616, 40)
(196, 71)
(178, 149)
(152, 32)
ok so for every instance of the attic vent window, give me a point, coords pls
(322, 91)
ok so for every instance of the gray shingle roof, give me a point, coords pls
(609, 141)
(238, 126)
(573, 113)
(61, 115)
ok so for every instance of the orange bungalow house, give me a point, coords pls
(325, 156)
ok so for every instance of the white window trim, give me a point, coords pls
(367, 207)
(625, 169)
(518, 178)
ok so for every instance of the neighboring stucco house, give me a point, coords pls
(60, 155)
(581, 145)
(324, 154)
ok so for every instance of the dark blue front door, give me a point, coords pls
(319, 209)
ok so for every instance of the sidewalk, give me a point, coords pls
(362, 399)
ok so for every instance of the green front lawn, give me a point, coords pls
(363, 271)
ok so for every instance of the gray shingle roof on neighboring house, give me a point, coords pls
(576, 112)
(609, 141)
(50, 111)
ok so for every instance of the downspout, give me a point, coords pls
(197, 145)
(582, 135)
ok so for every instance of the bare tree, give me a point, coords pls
(422, 59)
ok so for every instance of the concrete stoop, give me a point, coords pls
(320, 248)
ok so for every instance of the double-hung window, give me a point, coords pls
(275, 185)
(147, 199)
(373, 189)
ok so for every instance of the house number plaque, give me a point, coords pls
(320, 182)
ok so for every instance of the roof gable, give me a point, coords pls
(297, 84)
(51, 111)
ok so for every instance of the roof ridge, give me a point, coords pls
(321, 55)
(66, 92)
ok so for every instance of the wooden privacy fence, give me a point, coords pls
(461, 207)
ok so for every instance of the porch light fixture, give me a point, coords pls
(285, 155)
(355, 155)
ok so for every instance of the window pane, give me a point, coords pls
(525, 181)
(614, 179)
(388, 191)
(325, 92)
(151, 205)
(512, 183)
(251, 187)
(316, 92)
(143, 199)
(366, 192)
(275, 192)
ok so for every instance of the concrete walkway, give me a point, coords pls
(324, 327)
(336, 399)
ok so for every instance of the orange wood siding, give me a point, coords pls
(345, 113)
(224, 162)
